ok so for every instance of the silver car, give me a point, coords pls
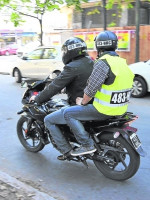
(38, 64)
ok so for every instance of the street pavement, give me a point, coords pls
(12, 188)
(42, 174)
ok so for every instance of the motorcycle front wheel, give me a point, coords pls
(123, 163)
(30, 139)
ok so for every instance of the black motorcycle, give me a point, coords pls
(118, 146)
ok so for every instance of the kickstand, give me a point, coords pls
(84, 162)
(78, 159)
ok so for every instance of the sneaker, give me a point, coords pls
(64, 156)
(83, 150)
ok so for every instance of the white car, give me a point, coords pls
(142, 78)
(24, 50)
(38, 64)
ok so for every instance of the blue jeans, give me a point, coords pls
(51, 122)
(74, 114)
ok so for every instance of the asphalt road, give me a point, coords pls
(66, 180)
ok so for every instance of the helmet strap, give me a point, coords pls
(99, 52)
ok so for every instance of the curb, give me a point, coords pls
(13, 182)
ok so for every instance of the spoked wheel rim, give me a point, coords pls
(16, 75)
(137, 88)
(123, 161)
(7, 53)
(117, 161)
(55, 74)
(31, 139)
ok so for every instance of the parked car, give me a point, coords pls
(8, 50)
(142, 78)
(24, 50)
(38, 64)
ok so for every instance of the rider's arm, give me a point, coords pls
(66, 76)
(97, 78)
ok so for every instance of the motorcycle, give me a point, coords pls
(118, 146)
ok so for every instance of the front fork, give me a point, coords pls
(30, 121)
(43, 136)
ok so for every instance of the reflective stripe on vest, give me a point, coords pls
(108, 104)
(102, 90)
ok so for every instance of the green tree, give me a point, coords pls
(129, 5)
(35, 9)
(108, 5)
(120, 4)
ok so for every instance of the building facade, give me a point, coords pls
(87, 24)
(92, 15)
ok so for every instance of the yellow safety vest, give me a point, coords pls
(113, 99)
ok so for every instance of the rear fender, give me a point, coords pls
(126, 136)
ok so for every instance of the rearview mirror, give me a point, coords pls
(24, 84)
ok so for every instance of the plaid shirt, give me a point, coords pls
(97, 78)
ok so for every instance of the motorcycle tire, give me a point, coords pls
(109, 169)
(31, 142)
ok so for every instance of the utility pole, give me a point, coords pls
(137, 46)
(104, 14)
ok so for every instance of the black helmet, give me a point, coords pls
(73, 48)
(106, 40)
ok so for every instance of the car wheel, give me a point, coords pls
(17, 76)
(139, 87)
(55, 74)
(7, 53)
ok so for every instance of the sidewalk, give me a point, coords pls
(13, 189)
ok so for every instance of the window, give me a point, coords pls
(35, 55)
(50, 53)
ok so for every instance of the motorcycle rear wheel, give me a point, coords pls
(32, 141)
(124, 165)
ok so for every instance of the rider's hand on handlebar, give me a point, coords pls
(32, 99)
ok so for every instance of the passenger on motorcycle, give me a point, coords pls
(110, 84)
(78, 67)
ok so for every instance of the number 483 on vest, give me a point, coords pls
(120, 97)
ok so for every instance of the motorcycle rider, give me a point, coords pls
(110, 84)
(77, 69)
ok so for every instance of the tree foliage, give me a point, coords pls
(35, 9)
(110, 4)
(120, 5)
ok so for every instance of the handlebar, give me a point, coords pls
(20, 112)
